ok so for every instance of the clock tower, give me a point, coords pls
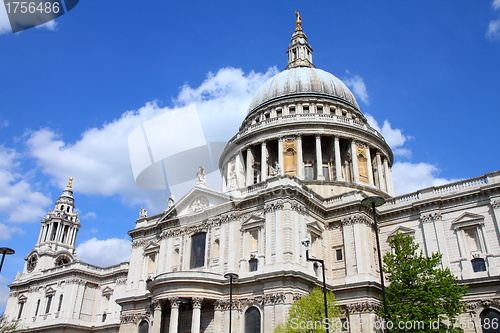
(57, 238)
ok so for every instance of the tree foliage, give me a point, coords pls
(420, 292)
(307, 314)
(7, 325)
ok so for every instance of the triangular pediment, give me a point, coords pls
(197, 200)
(467, 219)
(315, 227)
(107, 291)
(401, 230)
(22, 299)
(50, 291)
(253, 221)
(152, 247)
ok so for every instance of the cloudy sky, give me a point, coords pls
(426, 74)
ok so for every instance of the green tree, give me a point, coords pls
(420, 292)
(8, 326)
(307, 314)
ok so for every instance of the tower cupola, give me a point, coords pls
(299, 51)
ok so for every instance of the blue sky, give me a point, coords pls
(427, 73)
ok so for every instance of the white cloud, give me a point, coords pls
(4, 21)
(7, 231)
(410, 177)
(496, 4)
(358, 87)
(105, 252)
(99, 160)
(493, 32)
(393, 136)
(18, 200)
(51, 26)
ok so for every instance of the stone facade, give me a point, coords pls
(298, 168)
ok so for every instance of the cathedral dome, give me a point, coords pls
(302, 81)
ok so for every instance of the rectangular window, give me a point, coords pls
(279, 113)
(308, 170)
(60, 303)
(21, 306)
(37, 307)
(320, 109)
(253, 265)
(254, 240)
(198, 250)
(49, 301)
(326, 172)
(340, 257)
(291, 110)
(151, 263)
(305, 109)
(478, 265)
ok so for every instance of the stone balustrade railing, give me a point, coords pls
(301, 117)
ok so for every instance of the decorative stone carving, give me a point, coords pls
(356, 219)
(276, 170)
(174, 302)
(219, 305)
(121, 281)
(472, 305)
(299, 208)
(200, 174)
(198, 204)
(197, 302)
(271, 207)
(363, 307)
(495, 204)
(171, 201)
(143, 213)
(431, 217)
(133, 317)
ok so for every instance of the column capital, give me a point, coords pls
(174, 302)
(495, 203)
(157, 304)
(219, 305)
(197, 302)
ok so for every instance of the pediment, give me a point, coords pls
(401, 230)
(315, 227)
(152, 247)
(107, 291)
(253, 221)
(22, 299)
(197, 200)
(50, 291)
(467, 219)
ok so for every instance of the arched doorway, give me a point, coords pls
(143, 327)
(490, 321)
(252, 320)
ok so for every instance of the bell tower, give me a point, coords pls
(60, 226)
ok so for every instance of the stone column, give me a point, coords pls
(249, 166)
(354, 156)
(41, 234)
(338, 162)
(174, 314)
(369, 163)
(380, 173)
(263, 162)
(319, 158)
(156, 317)
(196, 318)
(495, 204)
(300, 159)
(386, 171)
(280, 156)
(218, 307)
(390, 187)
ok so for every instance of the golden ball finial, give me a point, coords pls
(298, 23)
(70, 183)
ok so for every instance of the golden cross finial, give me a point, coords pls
(70, 183)
(298, 23)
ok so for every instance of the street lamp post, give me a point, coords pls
(306, 243)
(372, 202)
(4, 251)
(231, 276)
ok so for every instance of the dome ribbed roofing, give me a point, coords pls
(302, 80)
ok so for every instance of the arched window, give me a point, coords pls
(143, 327)
(490, 320)
(252, 320)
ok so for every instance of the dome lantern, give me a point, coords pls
(299, 51)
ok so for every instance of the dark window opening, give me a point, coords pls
(320, 109)
(37, 307)
(49, 302)
(291, 110)
(253, 265)
(306, 109)
(339, 255)
(143, 327)
(279, 113)
(21, 306)
(252, 320)
(60, 303)
(478, 265)
(198, 250)
(104, 317)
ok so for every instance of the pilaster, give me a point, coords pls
(338, 162)
(319, 158)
